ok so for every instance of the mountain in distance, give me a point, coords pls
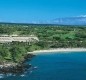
(79, 20)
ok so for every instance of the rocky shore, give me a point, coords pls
(16, 68)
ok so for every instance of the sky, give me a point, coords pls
(40, 10)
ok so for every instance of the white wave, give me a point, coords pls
(22, 75)
(9, 74)
(1, 76)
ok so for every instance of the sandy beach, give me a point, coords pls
(59, 50)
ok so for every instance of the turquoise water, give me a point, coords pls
(67, 66)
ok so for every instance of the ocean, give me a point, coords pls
(53, 66)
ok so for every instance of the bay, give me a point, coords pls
(54, 66)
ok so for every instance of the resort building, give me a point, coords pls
(11, 38)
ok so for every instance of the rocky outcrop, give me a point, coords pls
(16, 68)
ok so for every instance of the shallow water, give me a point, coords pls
(67, 66)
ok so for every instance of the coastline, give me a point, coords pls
(58, 50)
(16, 68)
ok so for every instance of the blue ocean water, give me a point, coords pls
(65, 66)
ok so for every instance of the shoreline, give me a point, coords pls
(58, 50)
(16, 68)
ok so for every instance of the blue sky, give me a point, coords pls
(40, 10)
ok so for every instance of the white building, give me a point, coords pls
(4, 39)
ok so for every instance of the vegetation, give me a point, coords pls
(50, 36)
(15, 51)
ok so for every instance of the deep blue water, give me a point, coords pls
(71, 66)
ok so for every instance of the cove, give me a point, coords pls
(54, 66)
